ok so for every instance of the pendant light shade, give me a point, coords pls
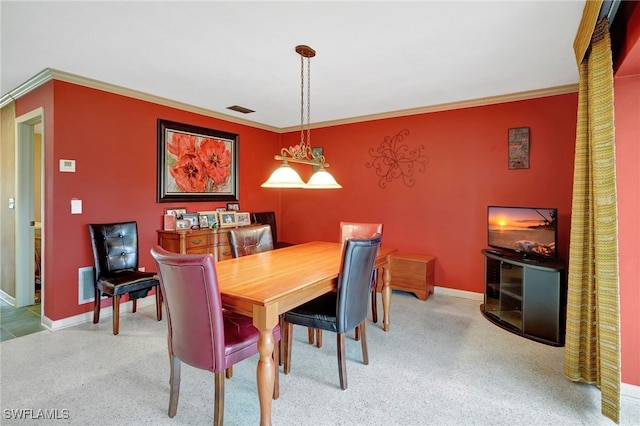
(322, 179)
(284, 177)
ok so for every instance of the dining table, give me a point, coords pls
(265, 285)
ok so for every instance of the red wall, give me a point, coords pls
(113, 140)
(444, 213)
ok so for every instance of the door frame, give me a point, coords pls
(24, 230)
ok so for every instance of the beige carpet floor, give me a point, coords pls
(442, 363)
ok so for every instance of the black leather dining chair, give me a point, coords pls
(342, 310)
(115, 253)
(269, 218)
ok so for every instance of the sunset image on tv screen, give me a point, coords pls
(529, 230)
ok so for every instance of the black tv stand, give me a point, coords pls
(525, 296)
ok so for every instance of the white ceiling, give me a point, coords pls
(372, 57)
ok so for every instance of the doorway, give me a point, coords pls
(29, 197)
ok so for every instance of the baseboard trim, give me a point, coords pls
(105, 312)
(445, 291)
(630, 391)
(9, 299)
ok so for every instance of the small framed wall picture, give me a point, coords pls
(243, 219)
(519, 148)
(228, 219)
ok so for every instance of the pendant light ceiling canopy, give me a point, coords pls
(285, 176)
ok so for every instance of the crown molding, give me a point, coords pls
(53, 74)
(512, 97)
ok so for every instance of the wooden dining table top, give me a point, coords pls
(275, 276)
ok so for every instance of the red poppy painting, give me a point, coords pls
(196, 164)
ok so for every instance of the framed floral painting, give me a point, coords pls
(196, 163)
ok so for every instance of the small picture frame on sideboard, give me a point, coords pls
(243, 219)
(182, 224)
(212, 218)
(228, 219)
(203, 221)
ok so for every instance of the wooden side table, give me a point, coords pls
(413, 273)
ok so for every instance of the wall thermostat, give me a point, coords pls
(67, 165)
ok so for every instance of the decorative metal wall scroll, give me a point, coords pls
(393, 159)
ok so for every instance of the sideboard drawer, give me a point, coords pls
(214, 241)
(197, 241)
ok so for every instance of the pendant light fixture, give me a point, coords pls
(285, 176)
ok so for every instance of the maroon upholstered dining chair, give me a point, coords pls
(200, 332)
(357, 230)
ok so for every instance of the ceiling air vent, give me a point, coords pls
(240, 109)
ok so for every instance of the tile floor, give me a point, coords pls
(16, 322)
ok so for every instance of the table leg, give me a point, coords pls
(386, 295)
(265, 319)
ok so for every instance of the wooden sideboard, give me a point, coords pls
(215, 241)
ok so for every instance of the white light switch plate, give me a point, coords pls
(76, 206)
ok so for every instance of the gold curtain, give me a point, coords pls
(592, 352)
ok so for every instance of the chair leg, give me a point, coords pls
(116, 315)
(374, 305)
(158, 304)
(287, 353)
(174, 381)
(357, 336)
(363, 335)
(342, 361)
(228, 373)
(318, 338)
(218, 395)
(311, 335)
(96, 306)
(135, 305)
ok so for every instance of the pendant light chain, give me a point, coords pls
(309, 103)
(302, 102)
(305, 143)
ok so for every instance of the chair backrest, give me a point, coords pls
(250, 240)
(359, 230)
(194, 308)
(268, 218)
(358, 260)
(115, 247)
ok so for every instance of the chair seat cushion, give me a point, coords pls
(241, 337)
(134, 282)
(317, 313)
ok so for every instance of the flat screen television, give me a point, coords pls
(527, 231)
